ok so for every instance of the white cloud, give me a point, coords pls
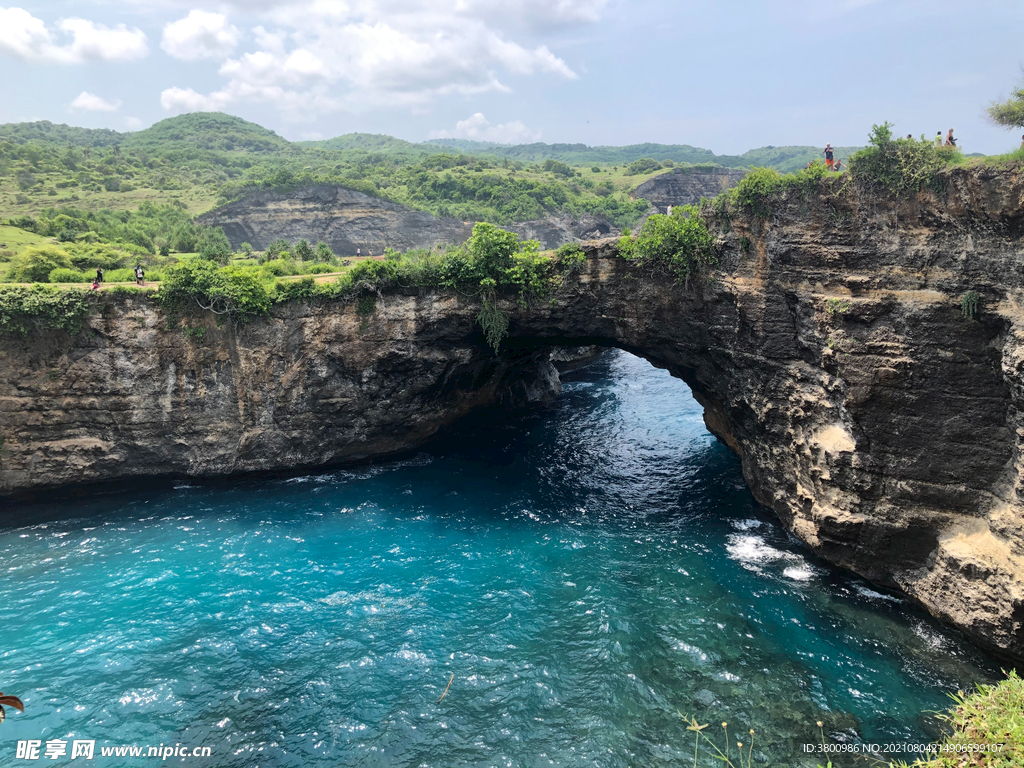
(90, 102)
(327, 55)
(180, 100)
(478, 128)
(200, 35)
(25, 37)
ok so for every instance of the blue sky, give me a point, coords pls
(728, 75)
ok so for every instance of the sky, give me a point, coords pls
(725, 75)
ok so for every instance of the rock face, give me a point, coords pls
(830, 351)
(343, 218)
(346, 220)
(554, 231)
(686, 186)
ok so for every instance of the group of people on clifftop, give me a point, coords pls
(833, 164)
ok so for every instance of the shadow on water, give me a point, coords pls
(587, 573)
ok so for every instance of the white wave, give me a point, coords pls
(746, 525)
(754, 549)
(870, 593)
(798, 573)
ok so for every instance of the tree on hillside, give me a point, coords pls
(213, 245)
(1009, 113)
(304, 250)
(34, 265)
(323, 252)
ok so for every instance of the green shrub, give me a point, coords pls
(213, 245)
(65, 275)
(295, 289)
(119, 276)
(643, 165)
(38, 307)
(34, 265)
(319, 269)
(900, 167)
(279, 268)
(324, 252)
(755, 190)
(200, 283)
(679, 244)
(571, 257)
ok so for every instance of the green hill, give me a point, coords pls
(45, 132)
(372, 142)
(213, 131)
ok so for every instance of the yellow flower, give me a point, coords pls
(725, 725)
(820, 724)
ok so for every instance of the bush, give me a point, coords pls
(65, 275)
(324, 252)
(755, 190)
(679, 244)
(119, 276)
(643, 165)
(38, 307)
(34, 265)
(319, 269)
(295, 289)
(279, 268)
(900, 167)
(233, 291)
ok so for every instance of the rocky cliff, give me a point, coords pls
(874, 409)
(346, 220)
(343, 218)
(686, 186)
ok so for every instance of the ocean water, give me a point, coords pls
(556, 588)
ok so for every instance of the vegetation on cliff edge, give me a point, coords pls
(991, 718)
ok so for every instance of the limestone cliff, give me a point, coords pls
(686, 186)
(343, 218)
(830, 350)
(346, 220)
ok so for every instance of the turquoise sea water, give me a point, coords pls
(582, 575)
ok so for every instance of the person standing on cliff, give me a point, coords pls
(358, 253)
(829, 156)
(838, 166)
(950, 141)
(99, 274)
(938, 139)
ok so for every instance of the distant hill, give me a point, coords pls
(45, 132)
(784, 159)
(373, 142)
(207, 130)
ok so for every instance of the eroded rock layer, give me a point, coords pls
(686, 186)
(348, 220)
(873, 409)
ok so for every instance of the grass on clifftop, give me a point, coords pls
(992, 715)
